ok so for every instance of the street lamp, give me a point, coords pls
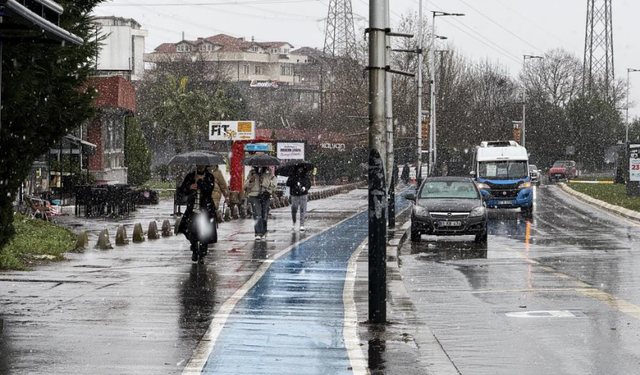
(433, 148)
(626, 138)
(524, 97)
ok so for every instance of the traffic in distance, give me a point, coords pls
(502, 178)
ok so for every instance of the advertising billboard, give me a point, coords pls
(231, 130)
(290, 150)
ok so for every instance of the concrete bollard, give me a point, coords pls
(82, 241)
(103, 241)
(121, 236)
(166, 228)
(227, 214)
(138, 234)
(152, 232)
(177, 225)
(235, 213)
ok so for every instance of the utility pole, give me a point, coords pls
(626, 138)
(377, 187)
(389, 110)
(419, 132)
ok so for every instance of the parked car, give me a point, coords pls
(448, 206)
(562, 170)
(535, 174)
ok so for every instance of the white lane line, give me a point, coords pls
(350, 330)
(205, 347)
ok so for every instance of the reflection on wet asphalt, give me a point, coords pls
(140, 308)
(291, 321)
(567, 257)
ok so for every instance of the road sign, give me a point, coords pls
(231, 130)
(634, 169)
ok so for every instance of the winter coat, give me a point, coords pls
(405, 174)
(268, 183)
(220, 187)
(206, 206)
(299, 184)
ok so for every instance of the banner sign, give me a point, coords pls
(264, 84)
(258, 147)
(290, 150)
(231, 130)
(634, 169)
(333, 146)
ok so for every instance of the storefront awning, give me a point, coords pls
(34, 19)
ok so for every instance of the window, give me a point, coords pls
(503, 170)
(449, 189)
(254, 49)
(286, 70)
(184, 47)
(245, 70)
(257, 69)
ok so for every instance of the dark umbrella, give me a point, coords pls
(291, 168)
(262, 160)
(198, 158)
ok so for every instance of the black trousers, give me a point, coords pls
(199, 248)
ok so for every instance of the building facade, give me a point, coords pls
(122, 50)
(260, 64)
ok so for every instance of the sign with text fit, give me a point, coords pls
(290, 150)
(231, 130)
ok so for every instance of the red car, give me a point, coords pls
(562, 170)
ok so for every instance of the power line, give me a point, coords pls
(211, 3)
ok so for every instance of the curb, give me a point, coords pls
(436, 360)
(608, 207)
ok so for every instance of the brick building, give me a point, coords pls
(116, 101)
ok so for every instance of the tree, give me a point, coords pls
(43, 99)
(137, 155)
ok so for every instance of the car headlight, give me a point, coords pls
(478, 211)
(420, 211)
(525, 185)
(483, 186)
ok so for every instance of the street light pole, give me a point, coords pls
(433, 135)
(524, 98)
(377, 187)
(626, 138)
(419, 132)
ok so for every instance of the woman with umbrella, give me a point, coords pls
(299, 184)
(198, 222)
(260, 186)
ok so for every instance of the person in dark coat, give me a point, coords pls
(405, 174)
(299, 185)
(198, 223)
(396, 173)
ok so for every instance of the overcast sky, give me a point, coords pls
(498, 30)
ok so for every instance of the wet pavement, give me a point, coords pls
(558, 293)
(140, 308)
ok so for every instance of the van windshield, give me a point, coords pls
(503, 170)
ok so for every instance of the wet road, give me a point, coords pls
(140, 308)
(558, 293)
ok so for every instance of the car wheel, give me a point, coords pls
(483, 237)
(415, 236)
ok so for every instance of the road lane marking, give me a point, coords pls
(205, 346)
(589, 291)
(350, 330)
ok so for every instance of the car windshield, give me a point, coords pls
(562, 164)
(532, 167)
(449, 190)
(503, 170)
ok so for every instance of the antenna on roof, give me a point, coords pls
(183, 35)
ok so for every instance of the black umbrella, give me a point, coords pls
(262, 160)
(291, 168)
(198, 158)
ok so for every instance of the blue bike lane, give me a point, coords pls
(291, 318)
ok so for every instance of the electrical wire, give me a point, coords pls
(211, 3)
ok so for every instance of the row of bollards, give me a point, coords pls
(230, 213)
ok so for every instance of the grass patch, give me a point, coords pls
(36, 241)
(595, 178)
(611, 193)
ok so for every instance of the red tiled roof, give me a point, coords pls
(227, 42)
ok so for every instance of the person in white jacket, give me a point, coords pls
(260, 186)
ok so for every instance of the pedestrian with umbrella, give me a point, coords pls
(299, 183)
(198, 223)
(260, 186)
